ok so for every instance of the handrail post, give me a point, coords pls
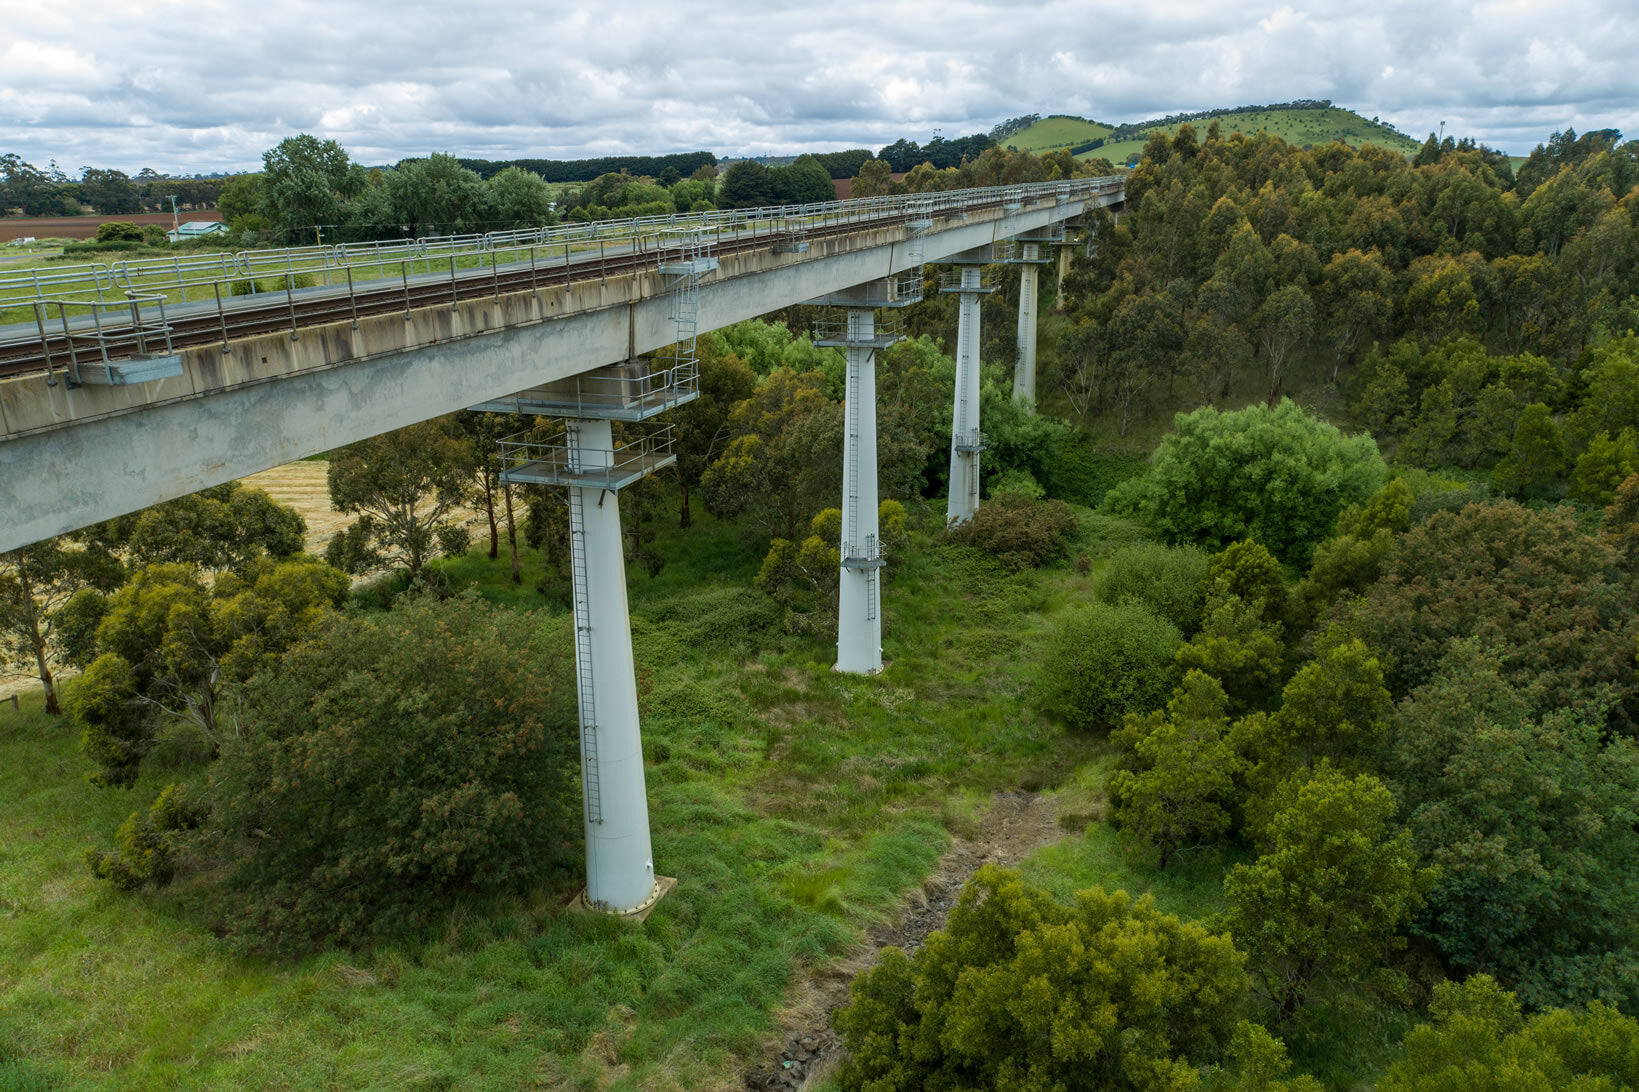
(220, 317)
(352, 300)
(45, 345)
(405, 275)
(290, 304)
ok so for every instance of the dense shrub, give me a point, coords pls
(1275, 475)
(1106, 660)
(395, 763)
(1170, 580)
(146, 845)
(1551, 599)
(1019, 532)
(1481, 1040)
(1019, 991)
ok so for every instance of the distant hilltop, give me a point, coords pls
(1303, 122)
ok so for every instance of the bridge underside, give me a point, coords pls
(74, 457)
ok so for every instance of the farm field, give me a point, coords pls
(1051, 134)
(85, 227)
(1300, 127)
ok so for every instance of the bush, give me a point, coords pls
(1018, 531)
(394, 764)
(1276, 475)
(1019, 991)
(146, 846)
(1170, 580)
(119, 231)
(1104, 661)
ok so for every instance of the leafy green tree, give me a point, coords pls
(170, 648)
(1530, 818)
(36, 583)
(224, 527)
(395, 765)
(803, 577)
(783, 461)
(746, 184)
(1480, 1042)
(1104, 661)
(1276, 475)
(1606, 464)
(1247, 570)
(1329, 900)
(438, 196)
(1018, 991)
(519, 199)
(1175, 788)
(406, 487)
(1170, 580)
(305, 182)
(1284, 324)
(1552, 600)
(1356, 301)
(1238, 647)
(703, 424)
(1536, 463)
(110, 192)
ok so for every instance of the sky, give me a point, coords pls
(208, 85)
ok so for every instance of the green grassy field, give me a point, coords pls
(796, 806)
(1294, 126)
(799, 809)
(1051, 134)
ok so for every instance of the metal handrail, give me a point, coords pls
(464, 256)
(140, 332)
(556, 457)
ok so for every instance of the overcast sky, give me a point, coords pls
(206, 85)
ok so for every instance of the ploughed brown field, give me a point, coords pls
(85, 227)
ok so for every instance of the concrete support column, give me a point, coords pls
(964, 437)
(620, 872)
(1064, 271)
(859, 606)
(1024, 372)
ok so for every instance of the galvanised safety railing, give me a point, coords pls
(219, 278)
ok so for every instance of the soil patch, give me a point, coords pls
(85, 227)
(1017, 824)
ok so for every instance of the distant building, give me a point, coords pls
(193, 229)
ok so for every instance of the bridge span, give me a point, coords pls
(259, 381)
(110, 412)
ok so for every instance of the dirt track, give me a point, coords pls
(1016, 824)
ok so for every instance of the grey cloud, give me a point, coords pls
(567, 80)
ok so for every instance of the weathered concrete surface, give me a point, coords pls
(74, 457)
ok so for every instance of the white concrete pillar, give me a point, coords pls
(963, 500)
(1024, 372)
(620, 872)
(859, 613)
(1064, 271)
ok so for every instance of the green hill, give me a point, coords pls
(1058, 131)
(1315, 125)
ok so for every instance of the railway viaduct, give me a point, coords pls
(106, 408)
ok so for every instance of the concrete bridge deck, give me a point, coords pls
(345, 365)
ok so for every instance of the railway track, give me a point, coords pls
(309, 307)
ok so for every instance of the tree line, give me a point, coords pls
(33, 191)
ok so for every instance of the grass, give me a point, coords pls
(1052, 133)
(797, 806)
(1300, 127)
